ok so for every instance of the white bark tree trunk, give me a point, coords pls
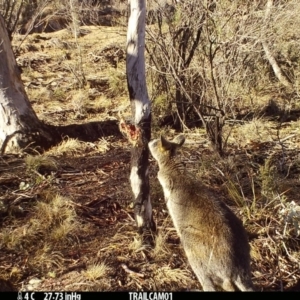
(270, 57)
(19, 125)
(140, 133)
(74, 7)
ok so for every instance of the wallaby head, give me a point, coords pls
(163, 150)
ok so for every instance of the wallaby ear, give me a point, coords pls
(179, 140)
(165, 143)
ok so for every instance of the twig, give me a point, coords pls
(130, 217)
(7, 139)
(126, 269)
(286, 138)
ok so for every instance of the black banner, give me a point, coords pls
(121, 295)
(97, 295)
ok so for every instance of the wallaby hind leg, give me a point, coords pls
(228, 286)
(208, 285)
(244, 285)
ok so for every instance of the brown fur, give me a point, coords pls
(214, 239)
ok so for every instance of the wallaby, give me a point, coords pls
(214, 239)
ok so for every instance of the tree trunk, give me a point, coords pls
(140, 133)
(270, 57)
(19, 125)
(74, 7)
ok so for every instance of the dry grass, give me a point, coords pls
(96, 271)
(136, 245)
(68, 147)
(57, 215)
(35, 162)
(103, 145)
(101, 102)
(79, 101)
(45, 259)
(168, 276)
(256, 130)
(117, 83)
(162, 250)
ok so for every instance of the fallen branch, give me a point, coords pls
(126, 269)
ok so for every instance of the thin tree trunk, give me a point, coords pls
(141, 131)
(75, 18)
(19, 125)
(270, 57)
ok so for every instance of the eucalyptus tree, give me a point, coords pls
(139, 132)
(19, 125)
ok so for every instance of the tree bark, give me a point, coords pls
(269, 55)
(140, 133)
(19, 125)
(75, 18)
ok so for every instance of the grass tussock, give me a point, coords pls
(68, 147)
(103, 145)
(161, 250)
(136, 244)
(45, 259)
(35, 163)
(117, 83)
(101, 103)
(79, 101)
(50, 221)
(96, 271)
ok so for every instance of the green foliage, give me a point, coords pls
(161, 104)
(117, 83)
(268, 177)
(59, 94)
